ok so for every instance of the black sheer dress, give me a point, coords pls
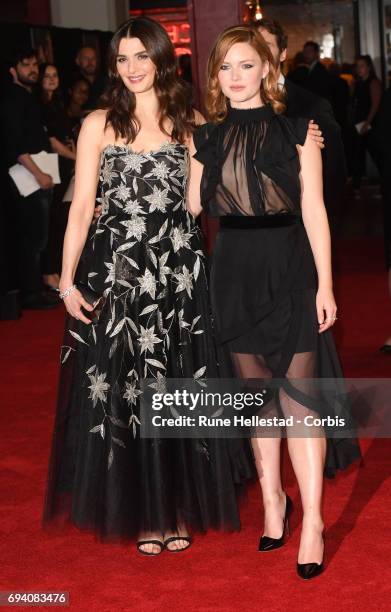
(263, 278)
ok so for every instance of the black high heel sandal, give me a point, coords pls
(187, 539)
(267, 544)
(150, 554)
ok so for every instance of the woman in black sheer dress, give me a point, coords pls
(271, 281)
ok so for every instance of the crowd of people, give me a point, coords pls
(40, 112)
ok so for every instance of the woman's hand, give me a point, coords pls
(365, 128)
(74, 302)
(316, 134)
(326, 309)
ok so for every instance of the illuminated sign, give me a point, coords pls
(179, 33)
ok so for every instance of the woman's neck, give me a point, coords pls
(147, 105)
(254, 102)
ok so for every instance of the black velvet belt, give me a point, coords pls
(248, 222)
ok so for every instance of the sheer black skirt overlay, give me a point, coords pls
(276, 334)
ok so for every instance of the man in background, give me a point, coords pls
(303, 103)
(318, 79)
(88, 67)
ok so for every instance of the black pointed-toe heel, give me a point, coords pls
(267, 544)
(309, 570)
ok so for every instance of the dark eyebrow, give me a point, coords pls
(138, 53)
(241, 61)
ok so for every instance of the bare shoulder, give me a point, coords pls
(199, 118)
(93, 127)
(96, 119)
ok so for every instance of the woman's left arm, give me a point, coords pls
(317, 228)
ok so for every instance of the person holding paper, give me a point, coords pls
(24, 134)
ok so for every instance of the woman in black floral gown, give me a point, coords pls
(145, 257)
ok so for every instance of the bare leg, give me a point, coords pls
(267, 461)
(266, 451)
(308, 457)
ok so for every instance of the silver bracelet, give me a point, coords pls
(67, 292)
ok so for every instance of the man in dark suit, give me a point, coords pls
(318, 79)
(88, 69)
(303, 103)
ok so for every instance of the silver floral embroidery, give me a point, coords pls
(152, 262)
(135, 227)
(158, 199)
(148, 339)
(98, 387)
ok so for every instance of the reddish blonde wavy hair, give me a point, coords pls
(216, 101)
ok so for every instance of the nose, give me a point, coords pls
(132, 68)
(235, 74)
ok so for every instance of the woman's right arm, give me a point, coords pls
(82, 209)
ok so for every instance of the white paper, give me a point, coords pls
(68, 196)
(26, 182)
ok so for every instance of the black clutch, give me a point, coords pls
(94, 299)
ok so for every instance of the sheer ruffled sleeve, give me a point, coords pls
(296, 128)
(205, 142)
(283, 135)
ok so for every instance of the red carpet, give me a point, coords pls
(221, 572)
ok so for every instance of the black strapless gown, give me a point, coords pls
(145, 255)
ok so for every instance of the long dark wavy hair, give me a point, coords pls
(172, 95)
